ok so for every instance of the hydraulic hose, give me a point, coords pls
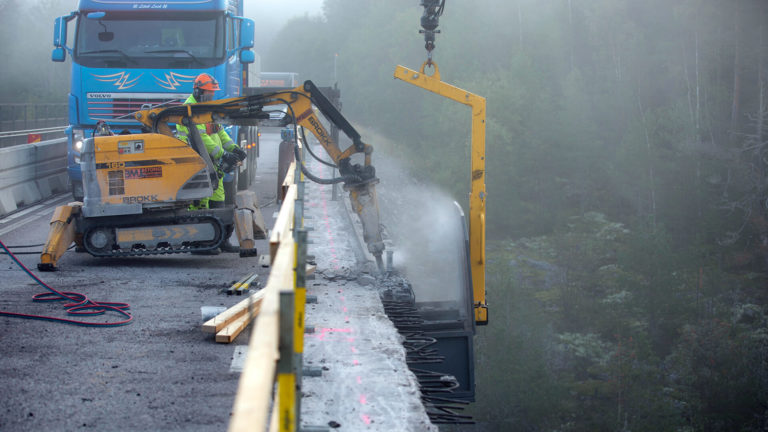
(300, 161)
(317, 158)
(80, 304)
(334, 180)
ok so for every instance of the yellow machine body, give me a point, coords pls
(123, 174)
(61, 235)
(138, 191)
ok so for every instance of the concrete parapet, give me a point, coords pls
(32, 172)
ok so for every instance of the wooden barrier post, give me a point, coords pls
(275, 352)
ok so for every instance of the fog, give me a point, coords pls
(626, 171)
(26, 41)
(425, 228)
(626, 178)
(271, 16)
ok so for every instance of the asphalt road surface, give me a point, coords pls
(160, 372)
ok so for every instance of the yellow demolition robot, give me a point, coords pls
(138, 188)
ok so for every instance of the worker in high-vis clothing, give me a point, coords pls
(221, 148)
(218, 144)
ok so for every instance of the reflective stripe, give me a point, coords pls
(218, 154)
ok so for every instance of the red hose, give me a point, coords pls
(80, 304)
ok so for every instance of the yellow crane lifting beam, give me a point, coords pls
(477, 194)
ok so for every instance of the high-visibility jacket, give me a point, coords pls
(215, 143)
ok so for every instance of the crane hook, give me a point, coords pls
(433, 9)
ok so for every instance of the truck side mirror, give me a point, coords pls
(59, 54)
(60, 32)
(247, 56)
(246, 33)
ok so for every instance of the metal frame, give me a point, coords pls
(477, 194)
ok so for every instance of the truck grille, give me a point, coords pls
(121, 109)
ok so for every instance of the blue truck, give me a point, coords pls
(128, 55)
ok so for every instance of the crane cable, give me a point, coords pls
(81, 305)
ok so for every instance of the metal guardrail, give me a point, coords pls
(275, 353)
(30, 136)
(19, 120)
(15, 116)
(24, 133)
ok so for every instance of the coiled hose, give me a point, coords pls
(80, 305)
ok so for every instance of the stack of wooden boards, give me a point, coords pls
(228, 324)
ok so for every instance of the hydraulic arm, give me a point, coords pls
(359, 180)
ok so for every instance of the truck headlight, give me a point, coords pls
(77, 140)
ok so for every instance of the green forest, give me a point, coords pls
(627, 194)
(627, 179)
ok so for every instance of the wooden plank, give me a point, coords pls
(284, 220)
(290, 174)
(274, 420)
(288, 180)
(225, 318)
(254, 394)
(284, 223)
(230, 332)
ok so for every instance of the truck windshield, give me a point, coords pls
(158, 41)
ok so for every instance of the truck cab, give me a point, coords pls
(132, 55)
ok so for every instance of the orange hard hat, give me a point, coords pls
(206, 82)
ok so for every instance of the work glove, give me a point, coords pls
(229, 160)
(240, 153)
